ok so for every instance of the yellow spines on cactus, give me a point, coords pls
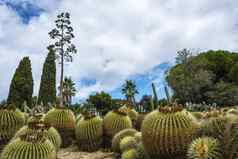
(89, 133)
(119, 136)
(204, 148)
(129, 154)
(128, 143)
(10, 122)
(167, 132)
(63, 120)
(115, 121)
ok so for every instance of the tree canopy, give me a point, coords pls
(209, 76)
(21, 87)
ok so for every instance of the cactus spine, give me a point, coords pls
(89, 133)
(167, 132)
(204, 148)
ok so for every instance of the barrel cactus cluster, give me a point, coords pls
(33, 144)
(63, 119)
(11, 120)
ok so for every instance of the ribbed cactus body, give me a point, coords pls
(113, 123)
(10, 122)
(197, 115)
(20, 149)
(89, 133)
(141, 153)
(63, 120)
(226, 131)
(51, 134)
(119, 136)
(167, 133)
(204, 148)
(128, 143)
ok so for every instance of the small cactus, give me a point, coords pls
(119, 136)
(89, 133)
(63, 120)
(204, 148)
(128, 143)
(129, 154)
(114, 122)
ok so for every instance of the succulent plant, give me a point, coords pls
(138, 137)
(204, 148)
(89, 133)
(226, 131)
(113, 122)
(63, 120)
(166, 132)
(129, 154)
(128, 143)
(119, 136)
(33, 145)
(197, 115)
(10, 122)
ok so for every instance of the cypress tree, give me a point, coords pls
(21, 87)
(47, 92)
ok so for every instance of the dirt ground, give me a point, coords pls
(73, 153)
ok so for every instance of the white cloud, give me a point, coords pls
(116, 39)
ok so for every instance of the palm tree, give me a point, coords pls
(129, 90)
(69, 90)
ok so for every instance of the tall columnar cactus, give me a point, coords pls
(89, 133)
(119, 136)
(11, 120)
(114, 122)
(204, 148)
(63, 120)
(166, 132)
(30, 146)
(155, 97)
(226, 131)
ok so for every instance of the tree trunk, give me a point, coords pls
(61, 80)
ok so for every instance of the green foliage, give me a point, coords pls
(128, 143)
(63, 120)
(10, 122)
(69, 90)
(204, 148)
(119, 136)
(89, 133)
(32, 146)
(47, 92)
(129, 90)
(21, 87)
(210, 76)
(102, 102)
(167, 132)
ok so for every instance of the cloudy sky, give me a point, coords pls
(116, 39)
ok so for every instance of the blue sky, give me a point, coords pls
(117, 40)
